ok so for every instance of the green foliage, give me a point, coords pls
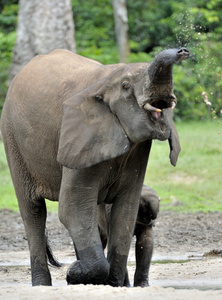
(197, 25)
(145, 23)
(154, 25)
(103, 55)
(94, 24)
(6, 45)
(8, 20)
(8, 16)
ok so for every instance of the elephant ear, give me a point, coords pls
(90, 132)
(173, 140)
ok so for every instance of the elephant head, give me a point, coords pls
(149, 206)
(131, 104)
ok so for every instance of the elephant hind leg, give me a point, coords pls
(33, 212)
(34, 218)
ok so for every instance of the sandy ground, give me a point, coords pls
(180, 269)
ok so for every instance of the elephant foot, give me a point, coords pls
(141, 284)
(115, 282)
(118, 275)
(40, 273)
(41, 281)
(141, 281)
(80, 274)
(126, 280)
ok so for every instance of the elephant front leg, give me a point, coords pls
(144, 251)
(123, 217)
(78, 212)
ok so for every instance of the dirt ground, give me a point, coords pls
(180, 268)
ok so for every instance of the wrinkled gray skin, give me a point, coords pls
(148, 210)
(77, 131)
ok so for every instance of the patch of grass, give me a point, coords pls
(169, 261)
(52, 206)
(7, 193)
(194, 185)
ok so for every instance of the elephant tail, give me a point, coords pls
(51, 258)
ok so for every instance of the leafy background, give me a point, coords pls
(153, 26)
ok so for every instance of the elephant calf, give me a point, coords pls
(148, 210)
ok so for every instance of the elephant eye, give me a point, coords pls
(126, 85)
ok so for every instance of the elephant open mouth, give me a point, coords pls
(156, 106)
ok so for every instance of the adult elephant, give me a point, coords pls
(78, 132)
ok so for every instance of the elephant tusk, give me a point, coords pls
(173, 104)
(149, 107)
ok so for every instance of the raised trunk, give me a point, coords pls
(159, 87)
(160, 70)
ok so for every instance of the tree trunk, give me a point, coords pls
(121, 28)
(43, 25)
